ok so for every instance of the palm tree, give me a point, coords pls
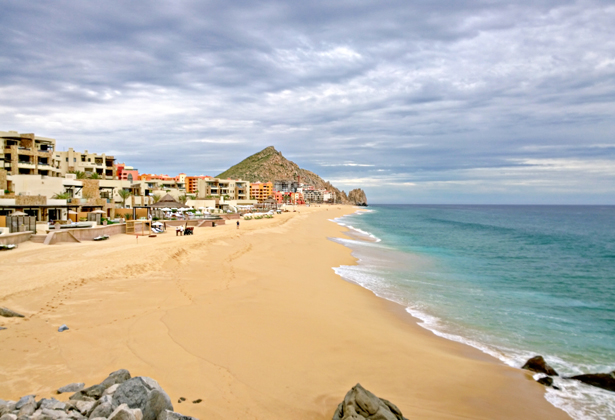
(182, 198)
(156, 198)
(80, 174)
(94, 175)
(62, 196)
(124, 194)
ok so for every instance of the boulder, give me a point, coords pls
(26, 406)
(52, 404)
(76, 415)
(144, 393)
(52, 414)
(8, 416)
(2, 328)
(5, 407)
(74, 387)
(117, 377)
(122, 412)
(27, 410)
(80, 396)
(6, 312)
(361, 404)
(111, 390)
(85, 407)
(95, 391)
(28, 399)
(546, 381)
(600, 380)
(537, 364)
(102, 410)
(172, 415)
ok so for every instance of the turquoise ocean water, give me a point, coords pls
(513, 281)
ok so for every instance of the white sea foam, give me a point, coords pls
(342, 222)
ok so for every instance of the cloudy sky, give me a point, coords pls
(430, 101)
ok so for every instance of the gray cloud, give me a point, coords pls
(435, 101)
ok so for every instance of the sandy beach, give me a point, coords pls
(253, 321)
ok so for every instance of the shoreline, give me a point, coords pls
(255, 322)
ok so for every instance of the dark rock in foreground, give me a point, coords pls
(143, 393)
(6, 312)
(537, 364)
(119, 397)
(361, 404)
(74, 387)
(546, 381)
(600, 380)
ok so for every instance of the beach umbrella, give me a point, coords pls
(157, 223)
(72, 212)
(166, 209)
(18, 213)
(98, 212)
(201, 208)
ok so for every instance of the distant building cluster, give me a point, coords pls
(40, 181)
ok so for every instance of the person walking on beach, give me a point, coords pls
(237, 224)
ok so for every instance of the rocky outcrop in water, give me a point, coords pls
(600, 380)
(119, 397)
(357, 197)
(360, 404)
(537, 364)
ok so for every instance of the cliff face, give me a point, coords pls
(358, 197)
(269, 165)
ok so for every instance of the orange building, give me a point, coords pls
(192, 183)
(126, 173)
(288, 197)
(261, 191)
(149, 177)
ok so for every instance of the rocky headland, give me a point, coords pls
(270, 165)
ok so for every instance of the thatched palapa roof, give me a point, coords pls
(168, 201)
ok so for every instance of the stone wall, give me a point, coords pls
(30, 200)
(3, 183)
(91, 188)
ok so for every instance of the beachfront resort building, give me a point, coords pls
(288, 197)
(127, 173)
(230, 189)
(28, 154)
(88, 163)
(286, 185)
(192, 183)
(165, 182)
(261, 191)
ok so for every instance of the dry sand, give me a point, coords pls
(252, 321)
